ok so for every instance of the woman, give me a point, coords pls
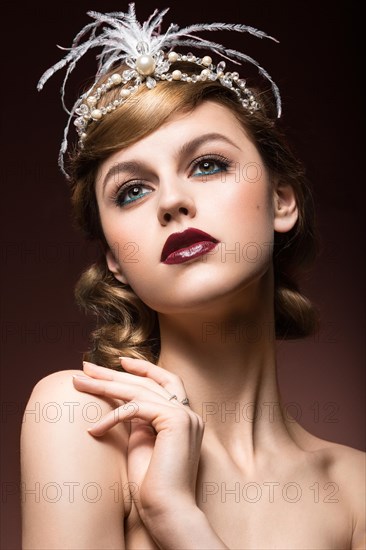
(175, 434)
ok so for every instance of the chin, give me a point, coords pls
(207, 295)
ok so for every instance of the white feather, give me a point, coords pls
(119, 35)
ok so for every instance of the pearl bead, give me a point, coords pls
(206, 61)
(145, 64)
(172, 57)
(96, 114)
(125, 93)
(176, 75)
(91, 100)
(116, 78)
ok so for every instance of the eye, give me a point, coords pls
(208, 166)
(130, 193)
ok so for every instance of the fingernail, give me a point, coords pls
(90, 431)
(80, 377)
(90, 365)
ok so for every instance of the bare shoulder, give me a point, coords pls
(346, 464)
(349, 466)
(346, 467)
(56, 411)
(58, 383)
(54, 400)
(71, 480)
(343, 466)
(350, 461)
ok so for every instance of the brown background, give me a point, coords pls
(317, 67)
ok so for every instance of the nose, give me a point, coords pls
(175, 202)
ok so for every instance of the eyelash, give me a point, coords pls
(121, 191)
(223, 162)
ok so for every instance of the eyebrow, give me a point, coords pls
(132, 166)
(195, 143)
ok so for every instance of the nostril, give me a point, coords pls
(168, 215)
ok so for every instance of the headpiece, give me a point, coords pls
(148, 53)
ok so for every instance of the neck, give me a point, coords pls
(226, 359)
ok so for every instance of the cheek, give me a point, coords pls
(118, 228)
(248, 225)
(132, 247)
(122, 239)
(248, 205)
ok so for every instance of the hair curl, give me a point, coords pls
(125, 325)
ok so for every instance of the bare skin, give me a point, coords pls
(152, 472)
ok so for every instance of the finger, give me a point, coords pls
(103, 373)
(147, 372)
(159, 415)
(171, 382)
(98, 372)
(125, 413)
(116, 390)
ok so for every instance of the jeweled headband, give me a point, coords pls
(148, 53)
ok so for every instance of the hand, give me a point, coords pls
(166, 435)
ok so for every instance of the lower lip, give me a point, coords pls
(190, 253)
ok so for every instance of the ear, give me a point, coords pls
(114, 267)
(285, 208)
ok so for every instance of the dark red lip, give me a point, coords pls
(182, 242)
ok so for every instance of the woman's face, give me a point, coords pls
(199, 171)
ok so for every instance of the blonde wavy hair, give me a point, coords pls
(125, 325)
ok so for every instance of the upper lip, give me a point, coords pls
(190, 236)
